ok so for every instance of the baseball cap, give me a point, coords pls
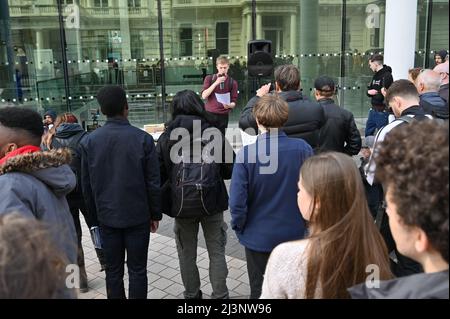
(325, 84)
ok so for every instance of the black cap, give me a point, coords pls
(442, 53)
(324, 84)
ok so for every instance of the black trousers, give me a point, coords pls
(75, 209)
(134, 241)
(220, 121)
(256, 266)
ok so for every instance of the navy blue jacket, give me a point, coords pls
(120, 175)
(433, 104)
(375, 121)
(264, 207)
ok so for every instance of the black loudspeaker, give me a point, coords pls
(260, 61)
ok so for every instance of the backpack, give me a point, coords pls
(197, 185)
(213, 78)
(75, 163)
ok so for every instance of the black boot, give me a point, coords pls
(83, 280)
(101, 258)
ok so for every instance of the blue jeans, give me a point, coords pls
(134, 240)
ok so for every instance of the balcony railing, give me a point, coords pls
(105, 12)
(205, 3)
(20, 11)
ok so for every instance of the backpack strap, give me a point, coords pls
(406, 118)
(77, 138)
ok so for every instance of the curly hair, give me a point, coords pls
(18, 118)
(31, 267)
(413, 162)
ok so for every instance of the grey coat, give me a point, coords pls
(418, 286)
(36, 185)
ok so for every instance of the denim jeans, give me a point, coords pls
(134, 241)
(186, 236)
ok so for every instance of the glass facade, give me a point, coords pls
(56, 54)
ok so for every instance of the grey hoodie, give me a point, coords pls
(418, 286)
(36, 186)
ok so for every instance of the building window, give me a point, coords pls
(375, 38)
(222, 37)
(100, 3)
(134, 3)
(186, 40)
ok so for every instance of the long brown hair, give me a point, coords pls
(60, 119)
(343, 239)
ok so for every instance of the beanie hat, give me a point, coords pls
(442, 53)
(50, 113)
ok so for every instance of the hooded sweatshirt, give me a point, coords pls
(35, 185)
(418, 286)
(381, 79)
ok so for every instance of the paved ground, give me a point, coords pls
(163, 266)
(164, 279)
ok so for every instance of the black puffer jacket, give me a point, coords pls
(305, 117)
(339, 133)
(164, 146)
(381, 79)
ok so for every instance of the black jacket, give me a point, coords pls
(419, 286)
(164, 146)
(120, 175)
(381, 79)
(339, 133)
(305, 117)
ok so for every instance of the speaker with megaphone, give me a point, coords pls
(260, 61)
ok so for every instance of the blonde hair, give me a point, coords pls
(271, 111)
(222, 60)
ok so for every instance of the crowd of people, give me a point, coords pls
(313, 223)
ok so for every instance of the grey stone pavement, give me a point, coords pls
(164, 279)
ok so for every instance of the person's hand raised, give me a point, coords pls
(263, 90)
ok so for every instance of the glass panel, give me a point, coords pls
(117, 42)
(217, 27)
(365, 21)
(437, 38)
(439, 28)
(421, 36)
(30, 55)
(119, 45)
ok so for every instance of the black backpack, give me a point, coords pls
(196, 185)
(75, 163)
